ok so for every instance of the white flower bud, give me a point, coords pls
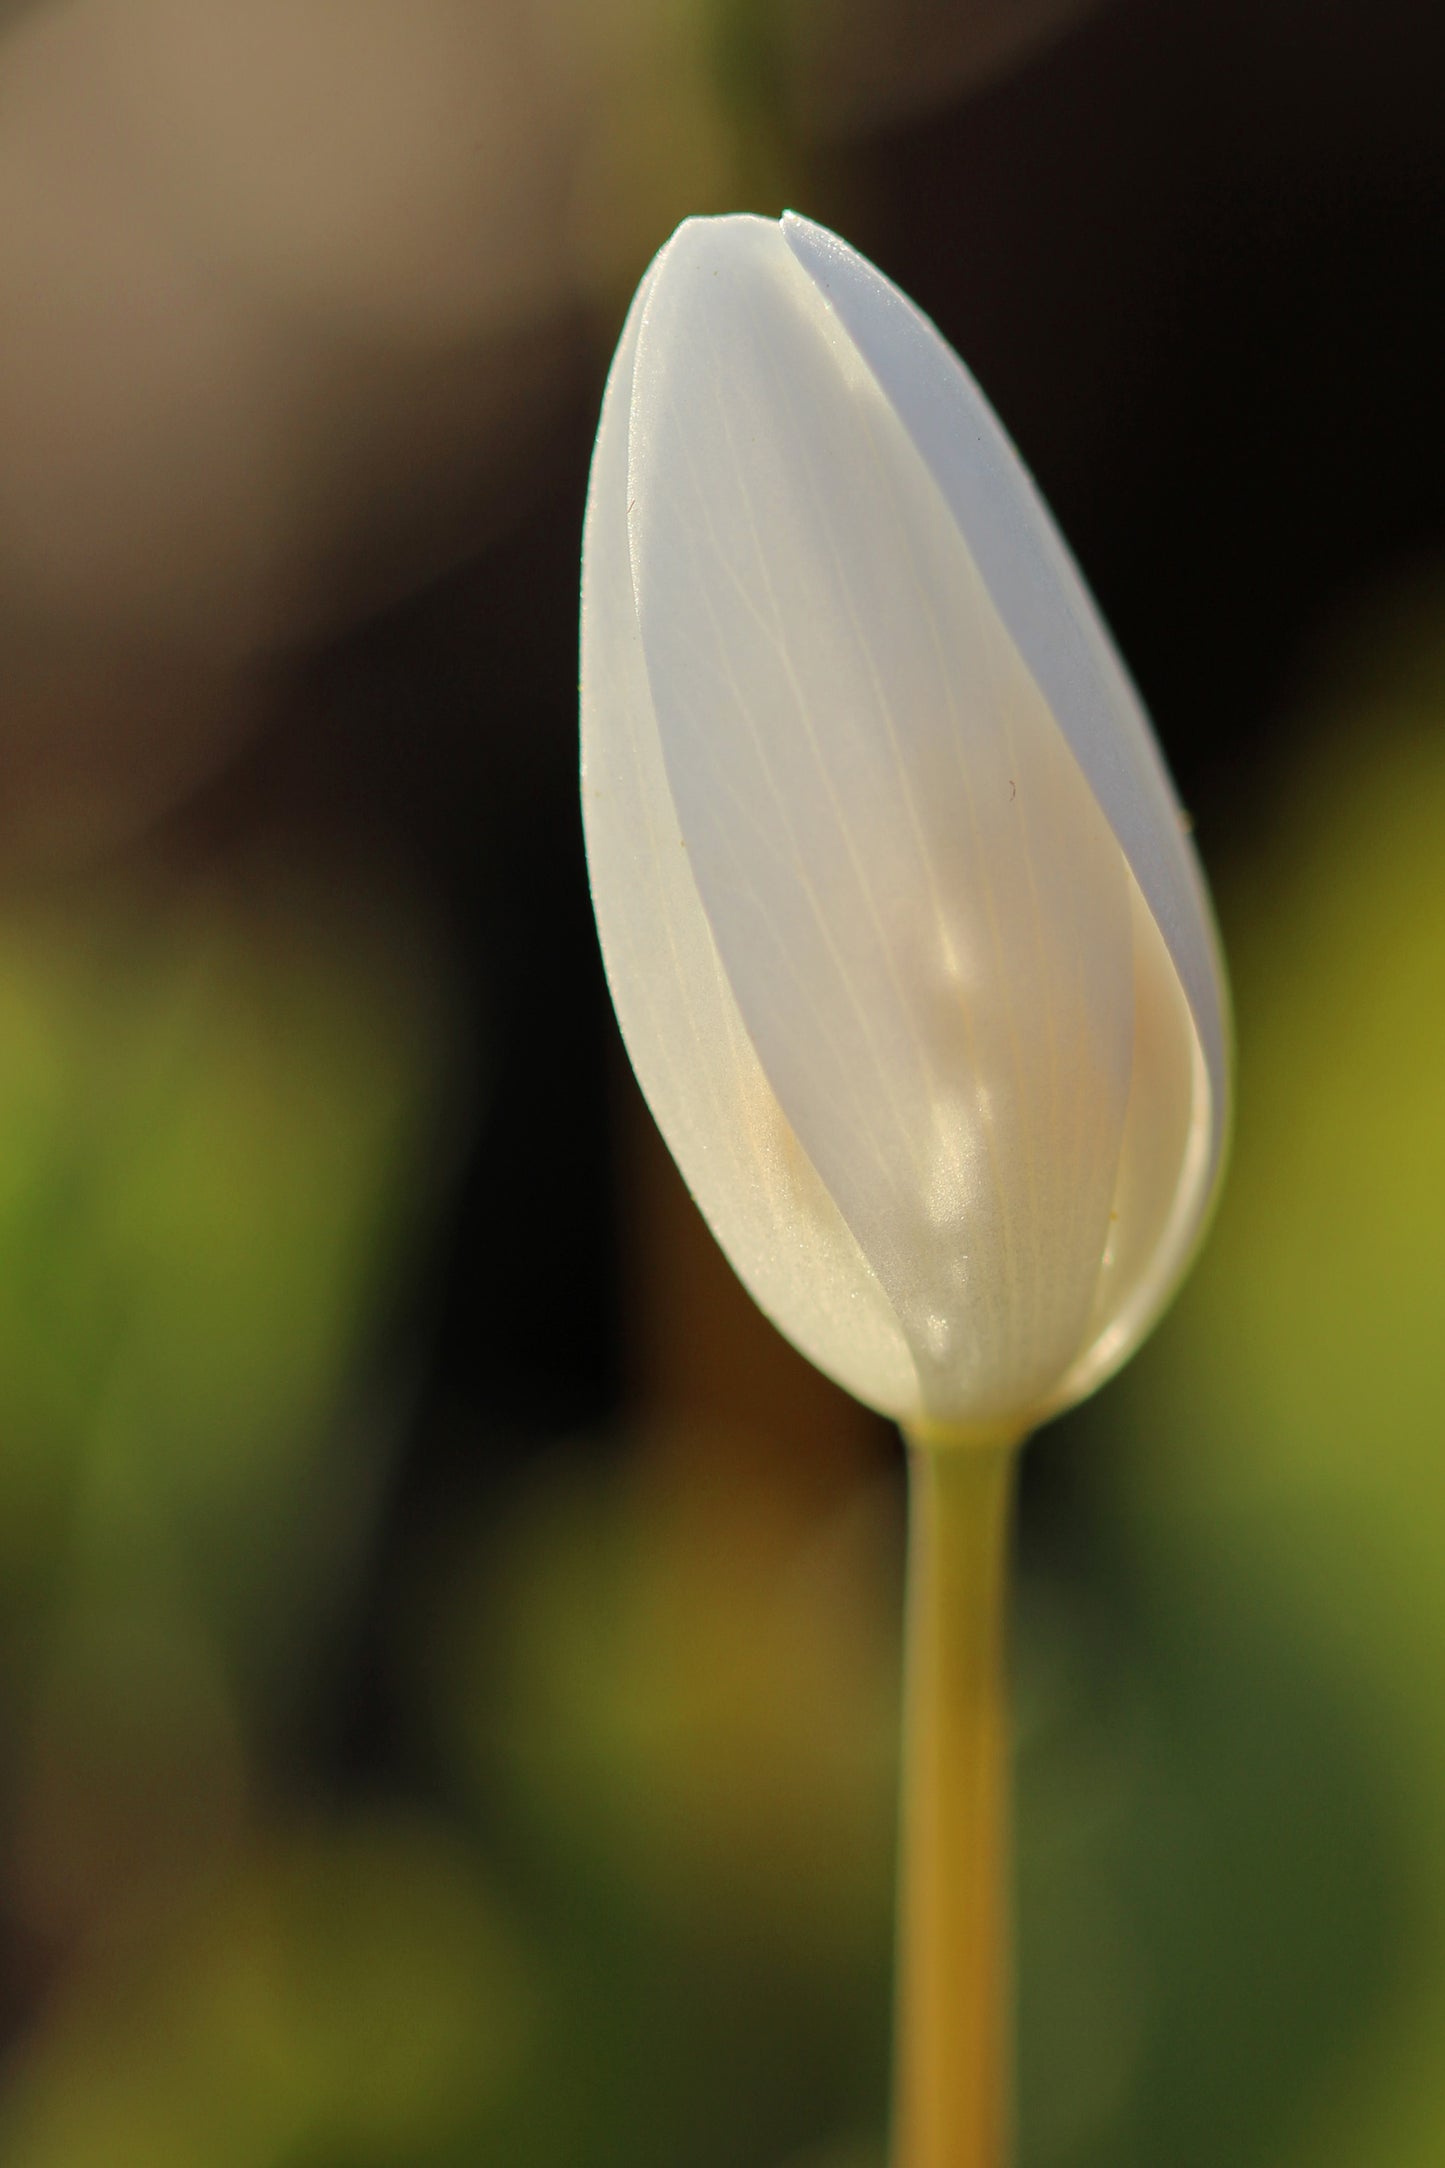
(909, 947)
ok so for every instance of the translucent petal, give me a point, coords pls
(780, 1229)
(1042, 600)
(1163, 1166)
(922, 912)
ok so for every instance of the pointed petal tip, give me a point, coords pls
(725, 239)
(816, 247)
(710, 230)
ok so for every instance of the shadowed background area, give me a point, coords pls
(448, 1644)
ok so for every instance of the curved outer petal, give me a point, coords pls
(938, 1046)
(1048, 611)
(1042, 600)
(764, 1201)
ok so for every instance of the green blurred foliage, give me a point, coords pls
(1290, 1418)
(212, 1100)
(1210, 1909)
(216, 1097)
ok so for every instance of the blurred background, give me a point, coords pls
(448, 1645)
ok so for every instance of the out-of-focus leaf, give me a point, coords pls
(214, 1112)
(1198, 1945)
(1289, 1420)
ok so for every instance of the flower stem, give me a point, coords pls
(953, 2078)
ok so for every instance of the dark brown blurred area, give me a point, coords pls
(408, 1517)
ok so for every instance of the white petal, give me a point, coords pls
(763, 1200)
(923, 914)
(1043, 601)
(1164, 1166)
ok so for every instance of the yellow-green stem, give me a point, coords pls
(953, 2079)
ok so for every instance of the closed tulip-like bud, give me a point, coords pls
(907, 941)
